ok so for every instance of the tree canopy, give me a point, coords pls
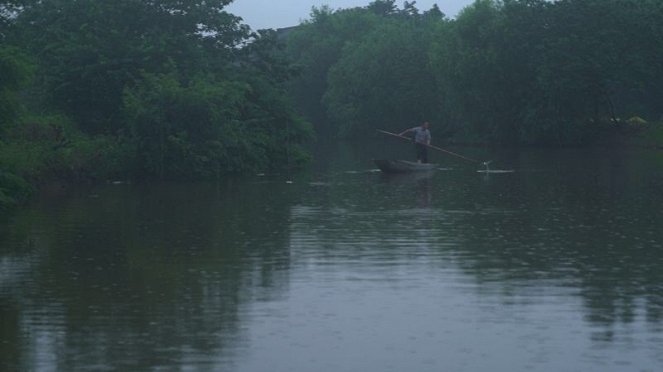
(511, 71)
(183, 88)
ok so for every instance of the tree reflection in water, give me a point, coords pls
(168, 275)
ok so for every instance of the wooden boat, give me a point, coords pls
(403, 166)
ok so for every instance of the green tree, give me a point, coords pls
(168, 88)
(15, 71)
(315, 46)
(205, 127)
(602, 57)
(465, 62)
(91, 50)
(340, 53)
(383, 81)
(534, 71)
(385, 7)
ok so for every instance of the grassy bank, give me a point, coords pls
(39, 150)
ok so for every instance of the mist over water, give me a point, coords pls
(553, 267)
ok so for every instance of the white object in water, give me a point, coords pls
(486, 163)
(493, 171)
(487, 170)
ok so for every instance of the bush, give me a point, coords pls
(50, 147)
(13, 189)
(204, 128)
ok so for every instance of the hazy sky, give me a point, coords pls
(284, 13)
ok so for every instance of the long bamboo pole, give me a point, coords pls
(432, 147)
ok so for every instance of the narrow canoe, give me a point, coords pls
(402, 166)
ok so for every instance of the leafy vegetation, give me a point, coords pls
(383, 80)
(134, 88)
(204, 128)
(171, 89)
(511, 71)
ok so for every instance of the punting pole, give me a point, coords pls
(436, 148)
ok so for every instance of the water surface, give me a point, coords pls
(554, 267)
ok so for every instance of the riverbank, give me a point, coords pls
(40, 155)
(44, 150)
(631, 134)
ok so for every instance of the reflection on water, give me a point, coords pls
(556, 266)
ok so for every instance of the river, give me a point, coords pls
(556, 266)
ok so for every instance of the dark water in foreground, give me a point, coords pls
(555, 267)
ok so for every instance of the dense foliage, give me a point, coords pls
(511, 71)
(138, 88)
(204, 128)
(182, 89)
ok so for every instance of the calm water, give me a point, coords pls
(557, 266)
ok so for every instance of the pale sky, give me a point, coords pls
(261, 14)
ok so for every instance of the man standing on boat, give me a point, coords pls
(421, 141)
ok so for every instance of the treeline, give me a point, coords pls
(511, 71)
(182, 89)
(137, 88)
